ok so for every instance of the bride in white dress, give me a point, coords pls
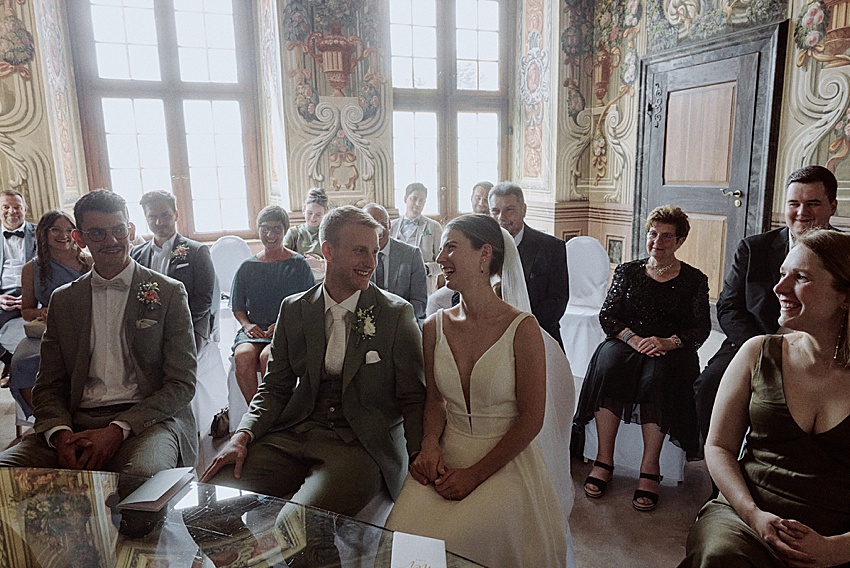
(481, 482)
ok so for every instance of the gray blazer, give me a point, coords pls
(163, 355)
(29, 246)
(406, 276)
(197, 274)
(428, 236)
(382, 400)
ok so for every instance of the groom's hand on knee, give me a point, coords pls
(234, 453)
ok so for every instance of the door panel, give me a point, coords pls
(709, 138)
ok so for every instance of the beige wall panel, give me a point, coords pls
(705, 249)
(698, 145)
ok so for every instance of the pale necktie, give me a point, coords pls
(335, 353)
(379, 271)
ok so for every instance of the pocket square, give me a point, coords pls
(145, 323)
(181, 266)
(372, 357)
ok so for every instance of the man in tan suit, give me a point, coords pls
(339, 413)
(117, 367)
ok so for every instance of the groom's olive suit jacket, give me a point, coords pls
(383, 388)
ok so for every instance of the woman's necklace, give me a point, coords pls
(660, 270)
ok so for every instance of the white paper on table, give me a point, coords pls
(412, 551)
(158, 490)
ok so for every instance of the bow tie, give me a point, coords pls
(414, 222)
(8, 234)
(118, 285)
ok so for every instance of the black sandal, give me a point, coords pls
(600, 484)
(642, 493)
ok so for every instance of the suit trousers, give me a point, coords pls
(315, 467)
(153, 450)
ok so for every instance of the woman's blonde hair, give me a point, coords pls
(833, 250)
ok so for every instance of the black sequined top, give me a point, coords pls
(647, 307)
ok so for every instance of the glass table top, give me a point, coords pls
(56, 518)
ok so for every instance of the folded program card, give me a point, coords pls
(158, 490)
(412, 551)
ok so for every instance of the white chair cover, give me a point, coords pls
(589, 270)
(227, 254)
(440, 299)
(210, 387)
(236, 405)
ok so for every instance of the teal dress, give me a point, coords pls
(260, 287)
(790, 473)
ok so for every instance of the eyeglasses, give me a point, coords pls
(57, 231)
(276, 229)
(97, 235)
(654, 235)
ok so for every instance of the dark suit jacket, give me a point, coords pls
(406, 276)
(29, 246)
(197, 273)
(382, 400)
(747, 305)
(544, 261)
(163, 354)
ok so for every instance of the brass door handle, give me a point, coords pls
(731, 193)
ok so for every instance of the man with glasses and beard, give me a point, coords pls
(117, 361)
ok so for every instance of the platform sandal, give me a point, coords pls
(642, 493)
(599, 485)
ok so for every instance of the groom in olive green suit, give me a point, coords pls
(339, 413)
(118, 365)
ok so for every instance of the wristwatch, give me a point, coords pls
(677, 341)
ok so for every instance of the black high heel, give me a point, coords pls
(642, 493)
(600, 484)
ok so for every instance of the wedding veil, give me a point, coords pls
(554, 437)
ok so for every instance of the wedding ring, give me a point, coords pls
(652, 345)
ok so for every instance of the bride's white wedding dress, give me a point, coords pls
(512, 519)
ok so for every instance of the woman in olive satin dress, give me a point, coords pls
(786, 501)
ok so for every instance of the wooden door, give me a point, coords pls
(709, 137)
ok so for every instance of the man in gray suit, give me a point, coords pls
(344, 388)
(400, 267)
(188, 261)
(117, 367)
(18, 247)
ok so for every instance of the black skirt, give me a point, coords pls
(645, 390)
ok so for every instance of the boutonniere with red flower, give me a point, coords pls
(180, 253)
(149, 294)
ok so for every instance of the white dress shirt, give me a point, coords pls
(112, 378)
(161, 256)
(14, 258)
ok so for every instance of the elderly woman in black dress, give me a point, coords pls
(656, 315)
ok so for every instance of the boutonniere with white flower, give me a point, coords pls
(364, 323)
(180, 253)
(149, 294)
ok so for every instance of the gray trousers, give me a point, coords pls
(153, 450)
(315, 467)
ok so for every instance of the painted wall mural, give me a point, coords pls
(534, 91)
(816, 126)
(335, 96)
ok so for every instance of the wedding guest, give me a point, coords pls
(416, 229)
(58, 261)
(480, 193)
(117, 369)
(785, 500)
(656, 316)
(18, 248)
(304, 239)
(259, 286)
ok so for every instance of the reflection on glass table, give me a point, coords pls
(57, 518)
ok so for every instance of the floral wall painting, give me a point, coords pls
(534, 91)
(17, 47)
(334, 60)
(673, 22)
